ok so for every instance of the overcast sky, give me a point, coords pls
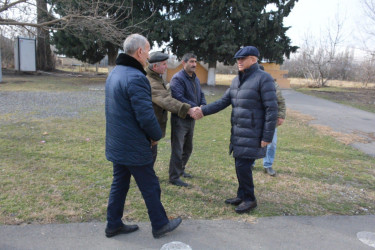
(314, 16)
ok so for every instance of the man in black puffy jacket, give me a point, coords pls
(131, 129)
(252, 95)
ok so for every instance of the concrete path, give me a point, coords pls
(289, 232)
(340, 118)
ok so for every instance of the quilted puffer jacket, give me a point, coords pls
(252, 95)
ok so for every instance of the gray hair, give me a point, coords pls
(133, 42)
(151, 65)
(187, 56)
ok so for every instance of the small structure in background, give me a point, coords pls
(272, 68)
(280, 75)
(201, 71)
(25, 54)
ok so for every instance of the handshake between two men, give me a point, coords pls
(195, 113)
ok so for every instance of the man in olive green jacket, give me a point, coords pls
(162, 99)
(271, 148)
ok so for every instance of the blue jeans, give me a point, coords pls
(271, 152)
(149, 186)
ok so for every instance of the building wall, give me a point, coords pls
(278, 74)
(201, 72)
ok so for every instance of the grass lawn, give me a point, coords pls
(67, 178)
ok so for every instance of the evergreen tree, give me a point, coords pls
(216, 29)
(91, 47)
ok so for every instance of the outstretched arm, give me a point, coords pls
(217, 106)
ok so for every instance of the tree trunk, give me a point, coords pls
(112, 55)
(44, 59)
(211, 74)
(1, 65)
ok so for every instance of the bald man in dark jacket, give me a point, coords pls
(252, 95)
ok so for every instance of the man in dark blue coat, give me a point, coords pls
(131, 129)
(252, 95)
(186, 88)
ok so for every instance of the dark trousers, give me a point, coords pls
(182, 131)
(245, 179)
(149, 186)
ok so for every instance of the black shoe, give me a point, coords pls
(186, 175)
(246, 206)
(270, 171)
(233, 201)
(179, 183)
(125, 229)
(169, 227)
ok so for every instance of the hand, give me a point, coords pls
(196, 113)
(264, 144)
(153, 143)
(280, 121)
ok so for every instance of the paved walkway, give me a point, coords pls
(340, 118)
(287, 232)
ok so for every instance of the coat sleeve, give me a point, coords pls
(269, 101)
(139, 91)
(203, 99)
(280, 103)
(178, 91)
(218, 105)
(164, 99)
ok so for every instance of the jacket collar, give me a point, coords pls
(126, 60)
(152, 73)
(189, 77)
(248, 71)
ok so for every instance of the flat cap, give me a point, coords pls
(157, 57)
(247, 51)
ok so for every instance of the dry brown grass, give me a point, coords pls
(222, 79)
(325, 130)
(299, 82)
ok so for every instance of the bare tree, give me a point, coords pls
(318, 56)
(104, 18)
(100, 16)
(368, 7)
(366, 71)
(7, 51)
(44, 60)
